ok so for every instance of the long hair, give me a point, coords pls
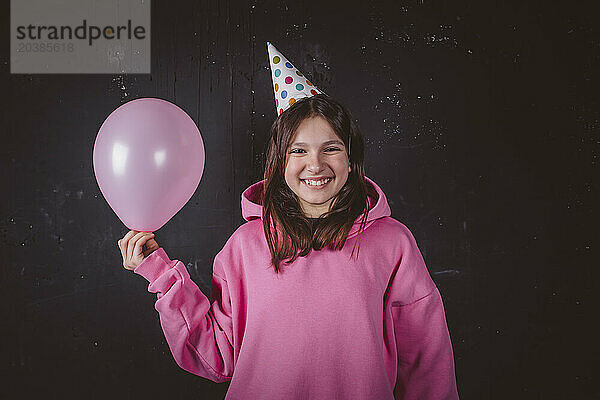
(288, 231)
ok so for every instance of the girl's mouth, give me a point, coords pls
(316, 183)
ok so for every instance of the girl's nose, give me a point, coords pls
(314, 164)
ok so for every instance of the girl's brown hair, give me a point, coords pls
(288, 231)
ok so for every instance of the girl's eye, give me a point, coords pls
(299, 151)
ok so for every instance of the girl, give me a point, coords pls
(321, 294)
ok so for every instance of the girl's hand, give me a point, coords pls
(131, 248)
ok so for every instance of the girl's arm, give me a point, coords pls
(198, 331)
(425, 359)
(425, 368)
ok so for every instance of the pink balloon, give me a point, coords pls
(148, 161)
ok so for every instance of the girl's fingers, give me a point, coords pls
(120, 242)
(131, 246)
(123, 244)
(139, 243)
(129, 235)
(151, 245)
(127, 244)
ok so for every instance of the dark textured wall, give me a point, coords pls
(482, 122)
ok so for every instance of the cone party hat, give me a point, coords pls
(289, 84)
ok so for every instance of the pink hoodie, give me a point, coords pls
(327, 327)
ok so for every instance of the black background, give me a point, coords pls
(481, 120)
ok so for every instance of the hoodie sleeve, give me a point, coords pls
(198, 331)
(425, 369)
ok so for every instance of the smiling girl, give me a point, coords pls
(320, 294)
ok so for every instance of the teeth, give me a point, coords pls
(317, 183)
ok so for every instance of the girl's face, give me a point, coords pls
(317, 165)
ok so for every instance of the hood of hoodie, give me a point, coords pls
(378, 207)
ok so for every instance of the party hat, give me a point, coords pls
(290, 85)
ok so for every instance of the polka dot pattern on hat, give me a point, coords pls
(289, 84)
